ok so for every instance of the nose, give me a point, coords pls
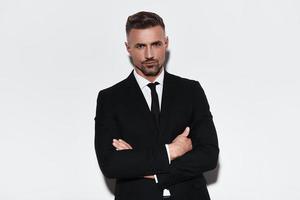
(149, 53)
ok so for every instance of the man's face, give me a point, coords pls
(147, 48)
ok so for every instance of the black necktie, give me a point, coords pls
(154, 102)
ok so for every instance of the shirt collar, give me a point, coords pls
(144, 82)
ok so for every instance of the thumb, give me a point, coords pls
(186, 131)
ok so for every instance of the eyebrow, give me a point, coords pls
(153, 43)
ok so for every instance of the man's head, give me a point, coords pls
(146, 43)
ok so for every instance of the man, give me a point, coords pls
(154, 131)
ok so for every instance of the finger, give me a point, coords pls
(121, 145)
(123, 141)
(186, 132)
(118, 145)
(128, 145)
(149, 177)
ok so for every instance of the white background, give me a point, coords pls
(56, 55)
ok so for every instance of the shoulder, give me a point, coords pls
(114, 88)
(181, 81)
(114, 91)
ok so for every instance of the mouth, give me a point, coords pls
(150, 63)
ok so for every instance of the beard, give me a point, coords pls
(150, 68)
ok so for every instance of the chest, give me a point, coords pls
(136, 123)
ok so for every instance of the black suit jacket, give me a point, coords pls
(122, 112)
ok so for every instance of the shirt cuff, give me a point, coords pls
(167, 147)
(155, 177)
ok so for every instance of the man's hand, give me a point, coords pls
(180, 145)
(123, 145)
(149, 177)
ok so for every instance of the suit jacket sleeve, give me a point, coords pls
(125, 163)
(204, 155)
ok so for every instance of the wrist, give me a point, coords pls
(172, 151)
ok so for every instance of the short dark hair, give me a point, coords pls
(143, 20)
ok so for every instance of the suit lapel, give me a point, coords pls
(166, 107)
(141, 106)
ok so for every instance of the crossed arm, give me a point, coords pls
(191, 156)
(179, 146)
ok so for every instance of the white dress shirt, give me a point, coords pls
(142, 82)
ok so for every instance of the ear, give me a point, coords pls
(127, 47)
(167, 42)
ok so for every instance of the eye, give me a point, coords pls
(139, 46)
(157, 44)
